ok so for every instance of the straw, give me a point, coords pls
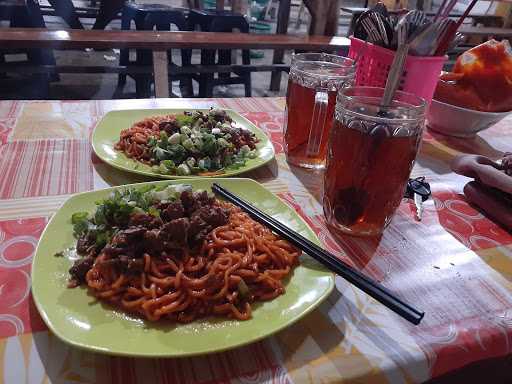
(453, 30)
(449, 8)
(438, 14)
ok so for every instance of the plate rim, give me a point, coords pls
(93, 348)
(236, 172)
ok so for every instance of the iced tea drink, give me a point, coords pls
(313, 83)
(370, 157)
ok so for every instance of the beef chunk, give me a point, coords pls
(128, 236)
(203, 221)
(80, 269)
(247, 138)
(153, 240)
(190, 204)
(196, 223)
(213, 216)
(216, 216)
(220, 115)
(204, 198)
(174, 211)
(112, 250)
(169, 126)
(82, 245)
(125, 263)
(141, 219)
(177, 230)
(184, 224)
(131, 264)
(145, 220)
(236, 138)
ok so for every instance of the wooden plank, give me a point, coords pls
(27, 68)
(486, 31)
(359, 10)
(13, 3)
(160, 64)
(283, 18)
(158, 40)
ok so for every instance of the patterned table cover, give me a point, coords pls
(455, 264)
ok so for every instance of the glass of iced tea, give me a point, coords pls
(369, 159)
(313, 83)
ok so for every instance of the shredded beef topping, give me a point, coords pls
(179, 224)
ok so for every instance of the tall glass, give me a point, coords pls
(313, 83)
(370, 157)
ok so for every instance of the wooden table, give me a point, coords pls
(456, 265)
(159, 42)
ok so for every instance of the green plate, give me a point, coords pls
(106, 134)
(78, 319)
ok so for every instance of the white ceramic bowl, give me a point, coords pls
(461, 122)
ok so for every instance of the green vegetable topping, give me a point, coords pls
(186, 130)
(205, 163)
(167, 167)
(163, 136)
(201, 141)
(184, 120)
(77, 217)
(80, 223)
(152, 141)
(183, 170)
(175, 138)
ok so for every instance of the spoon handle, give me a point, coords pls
(395, 74)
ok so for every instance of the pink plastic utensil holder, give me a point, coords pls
(420, 76)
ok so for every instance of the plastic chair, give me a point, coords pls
(220, 21)
(29, 15)
(149, 17)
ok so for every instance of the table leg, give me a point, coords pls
(318, 11)
(66, 10)
(332, 19)
(107, 12)
(239, 6)
(299, 16)
(283, 17)
(161, 73)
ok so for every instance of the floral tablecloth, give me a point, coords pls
(455, 264)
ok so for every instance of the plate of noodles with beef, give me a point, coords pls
(167, 269)
(181, 143)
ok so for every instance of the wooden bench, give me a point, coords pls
(159, 42)
(500, 33)
(86, 12)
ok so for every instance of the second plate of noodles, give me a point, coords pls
(181, 143)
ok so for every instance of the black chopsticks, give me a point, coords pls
(364, 283)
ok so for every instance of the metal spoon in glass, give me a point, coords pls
(395, 72)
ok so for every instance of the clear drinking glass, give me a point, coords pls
(369, 159)
(313, 83)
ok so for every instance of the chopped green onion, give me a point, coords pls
(183, 170)
(175, 138)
